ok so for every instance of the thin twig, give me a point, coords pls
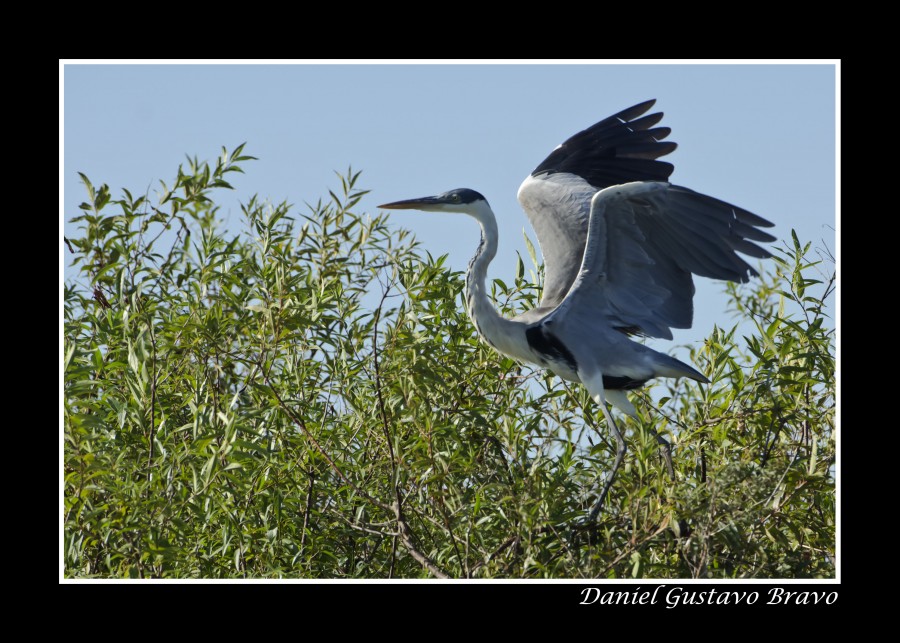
(393, 556)
(406, 537)
(384, 421)
(636, 547)
(506, 543)
(404, 531)
(312, 480)
(152, 401)
(302, 425)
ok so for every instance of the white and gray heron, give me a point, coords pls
(620, 244)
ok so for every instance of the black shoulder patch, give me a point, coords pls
(546, 343)
(621, 383)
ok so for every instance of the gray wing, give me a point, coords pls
(557, 196)
(644, 242)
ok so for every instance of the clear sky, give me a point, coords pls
(759, 136)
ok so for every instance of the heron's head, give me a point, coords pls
(459, 200)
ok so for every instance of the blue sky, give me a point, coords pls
(759, 136)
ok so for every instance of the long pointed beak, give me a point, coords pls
(412, 204)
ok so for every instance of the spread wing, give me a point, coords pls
(644, 242)
(557, 195)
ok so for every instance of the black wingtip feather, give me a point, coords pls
(646, 150)
(604, 153)
(644, 123)
(636, 110)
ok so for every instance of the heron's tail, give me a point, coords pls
(668, 366)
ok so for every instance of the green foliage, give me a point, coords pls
(306, 398)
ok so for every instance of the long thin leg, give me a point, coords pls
(667, 452)
(620, 455)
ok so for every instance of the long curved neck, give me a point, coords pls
(496, 330)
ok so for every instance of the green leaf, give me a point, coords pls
(530, 247)
(322, 372)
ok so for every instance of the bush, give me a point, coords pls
(307, 398)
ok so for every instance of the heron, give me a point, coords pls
(620, 246)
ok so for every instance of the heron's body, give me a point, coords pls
(620, 245)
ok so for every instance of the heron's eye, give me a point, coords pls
(454, 198)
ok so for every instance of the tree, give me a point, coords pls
(307, 398)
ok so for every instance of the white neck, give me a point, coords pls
(504, 335)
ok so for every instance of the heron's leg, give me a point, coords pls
(667, 452)
(620, 455)
(619, 399)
